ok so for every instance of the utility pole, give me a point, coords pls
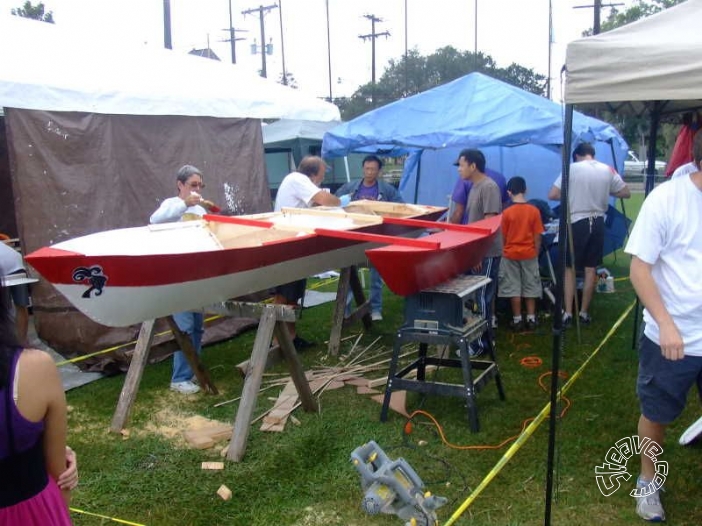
(167, 24)
(232, 34)
(598, 5)
(373, 35)
(282, 45)
(406, 56)
(475, 43)
(261, 11)
(329, 53)
(550, 45)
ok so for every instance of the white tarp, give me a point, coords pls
(655, 58)
(43, 67)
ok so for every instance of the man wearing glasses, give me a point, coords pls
(188, 204)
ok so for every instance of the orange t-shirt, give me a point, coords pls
(520, 223)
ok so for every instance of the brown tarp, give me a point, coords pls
(74, 174)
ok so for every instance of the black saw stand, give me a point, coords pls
(445, 316)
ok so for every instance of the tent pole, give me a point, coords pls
(558, 308)
(651, 154)
(416, 180)
(346, 165)
(650, 182)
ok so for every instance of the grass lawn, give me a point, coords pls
(303, 475)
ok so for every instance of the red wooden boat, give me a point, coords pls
(407, 269)
(125, 276)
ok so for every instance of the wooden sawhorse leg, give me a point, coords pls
(273, 319)
(348, 280)
(130, 388)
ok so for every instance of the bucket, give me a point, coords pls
(609, 284)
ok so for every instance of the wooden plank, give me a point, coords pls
(398, 401)
(297, 373)
(212, 465)
(240, 432)
(200, 438)
(243, 309)
(353, 235)
(224, 492)
(131, 382)
(342, 292)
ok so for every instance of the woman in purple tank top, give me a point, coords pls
(32, 433)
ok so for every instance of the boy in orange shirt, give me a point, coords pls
(519, 269)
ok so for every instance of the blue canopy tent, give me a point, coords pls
(520, 134)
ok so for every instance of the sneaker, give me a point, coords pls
(301, 344)
(376, 316)
(531, 325)
(516, 326)
(185, 387)
(567, 321)
(494, 321)
(585, 319)
(649, 508)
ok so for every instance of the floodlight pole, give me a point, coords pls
(167, 24)
(329, 54)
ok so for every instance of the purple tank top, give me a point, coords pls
(26, 433)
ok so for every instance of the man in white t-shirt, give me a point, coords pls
(666, 245)
(301, 189)
(591, 185)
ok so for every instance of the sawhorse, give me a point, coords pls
(136, 369)
(348, 279)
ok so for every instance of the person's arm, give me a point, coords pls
(647, 291)
(324, 198)
(69, 478)
(44, 383)
(457, 213)
(554, 194)
(623, 193)
(170, 210)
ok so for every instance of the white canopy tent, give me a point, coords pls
(652, 66)
(43, 67)
(96, 130)
(653, 59)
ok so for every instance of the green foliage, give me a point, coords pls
(35, 12)
(416, 73)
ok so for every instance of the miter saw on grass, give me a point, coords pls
(393, 487)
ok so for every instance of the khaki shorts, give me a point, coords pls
(519, 279)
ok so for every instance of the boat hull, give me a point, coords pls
(407, 270)
(197, 264)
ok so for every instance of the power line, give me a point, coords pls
(598, 5)
(261, 10)
(372, 36)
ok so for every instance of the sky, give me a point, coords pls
(508, 30)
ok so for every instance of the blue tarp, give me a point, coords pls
(519, 132)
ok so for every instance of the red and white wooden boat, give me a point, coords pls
(407, 269)
(125, 276)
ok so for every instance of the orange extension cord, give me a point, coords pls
(409, 426)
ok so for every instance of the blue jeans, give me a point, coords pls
(376, 292)
(191, 323)
(491, 269)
